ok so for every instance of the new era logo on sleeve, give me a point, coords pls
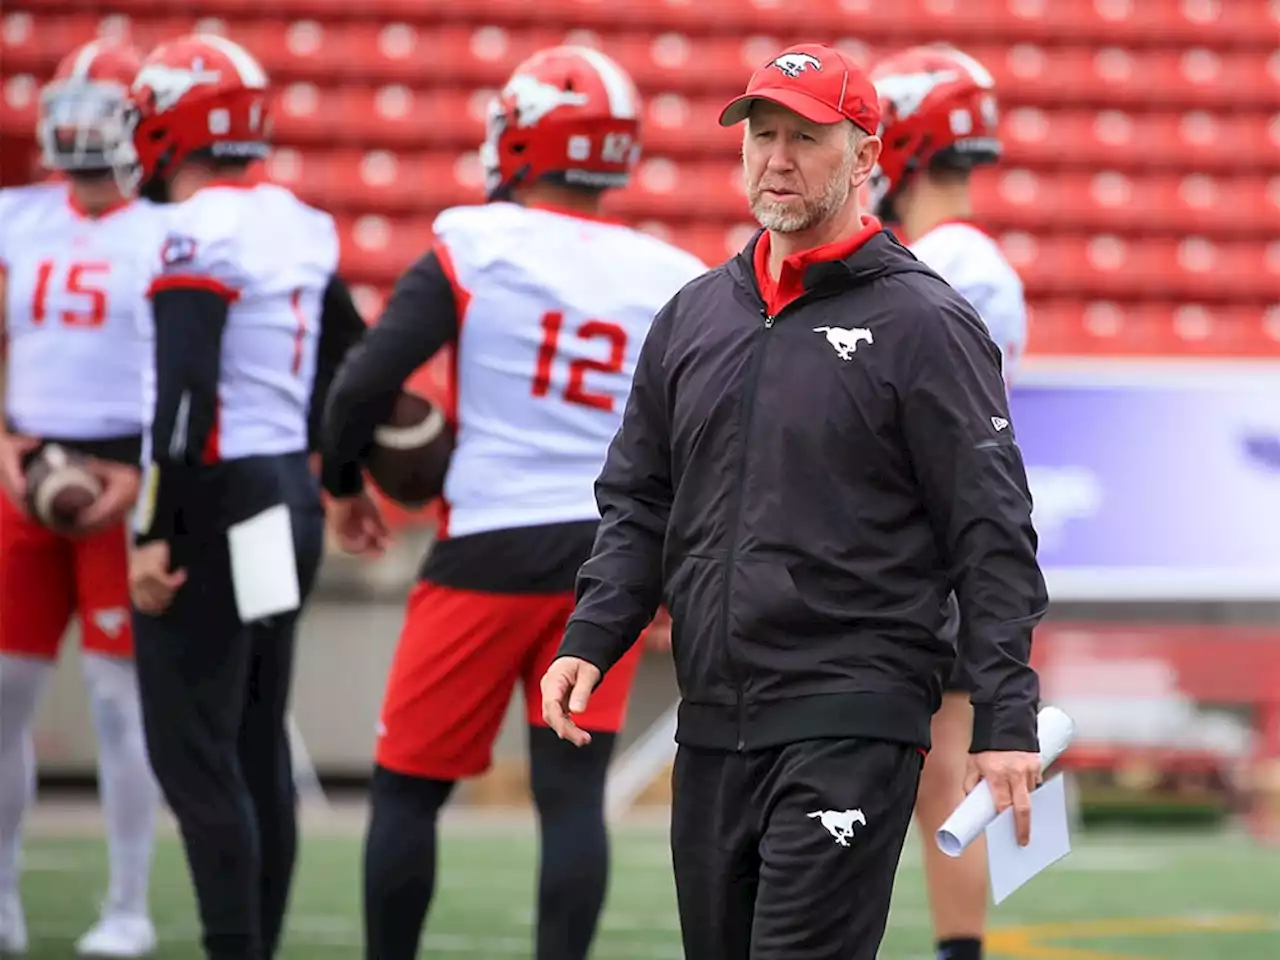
(839, 823)
(999, 423)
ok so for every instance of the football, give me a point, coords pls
(411, 452)
(59, 487)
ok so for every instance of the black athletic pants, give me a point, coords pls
(790, 853)
(215, 698)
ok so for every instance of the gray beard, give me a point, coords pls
(785, 218)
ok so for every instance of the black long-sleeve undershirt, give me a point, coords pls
(189, 322)
(341, 328)
(420, 318)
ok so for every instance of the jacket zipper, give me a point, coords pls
(749, 403)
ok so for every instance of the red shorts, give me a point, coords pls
(45, 578)
(460, 654)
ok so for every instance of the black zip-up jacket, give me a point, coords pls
(804, 491)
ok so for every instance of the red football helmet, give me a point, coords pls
(81, 118)
(938, 108)
(197, 94)
(567, 115)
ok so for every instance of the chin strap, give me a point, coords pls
(502, 192)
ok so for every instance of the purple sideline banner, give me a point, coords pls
(1154, 487)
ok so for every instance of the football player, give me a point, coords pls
(546, 304)
(939, 122)
(71, 300)
(246, 304)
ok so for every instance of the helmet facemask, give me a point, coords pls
(82, 125)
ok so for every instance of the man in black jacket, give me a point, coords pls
(816, 451)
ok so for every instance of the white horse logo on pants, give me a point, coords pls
(839, 823)
(845, 339)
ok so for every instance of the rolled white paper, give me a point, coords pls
(1054, 729)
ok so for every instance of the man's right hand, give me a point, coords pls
(657, 637)
(13, 447)
(566, 690)
(359, 525)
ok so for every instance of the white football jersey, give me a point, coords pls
(271, 256)
(972, 263)
(76, 313)
(553, 309)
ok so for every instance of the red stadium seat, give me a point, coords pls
(1214, 23)
(1195, 76)
(376, 249)
(19, 100)
(389, 116)
(369, 299)
(416, 182)
(1112, 200)
(380, 179)
(415, 118)
(1139, 193)
(668, 189)
(683, 126)
(1153, 330)
(485, 54)
(1116, 267)
(468, 56)
(34, 43)
(1119, 139)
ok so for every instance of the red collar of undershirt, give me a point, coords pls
(790, 283)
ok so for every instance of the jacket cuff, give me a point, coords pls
(342, 480)
(591, 643)
(1004, 727)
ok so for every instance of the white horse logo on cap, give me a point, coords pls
(794, 64)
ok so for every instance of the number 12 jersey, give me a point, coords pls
(552, 309)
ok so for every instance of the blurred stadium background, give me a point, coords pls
(1139, 199)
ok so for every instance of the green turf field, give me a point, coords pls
(1117, 897)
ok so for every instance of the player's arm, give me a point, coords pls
(620, 586)
(1007, 308)
(190, 316)
(1002, 305)
(420, 318)
(960, 439)
(341, 328)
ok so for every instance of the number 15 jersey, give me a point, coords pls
(75, 311)
(552, 310)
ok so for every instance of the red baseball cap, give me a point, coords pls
(818, 82)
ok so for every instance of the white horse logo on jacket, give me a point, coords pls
(846, 339)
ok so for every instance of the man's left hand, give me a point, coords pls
(1012, 776)
(566, 690)
(151, 583)
(120, 486)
